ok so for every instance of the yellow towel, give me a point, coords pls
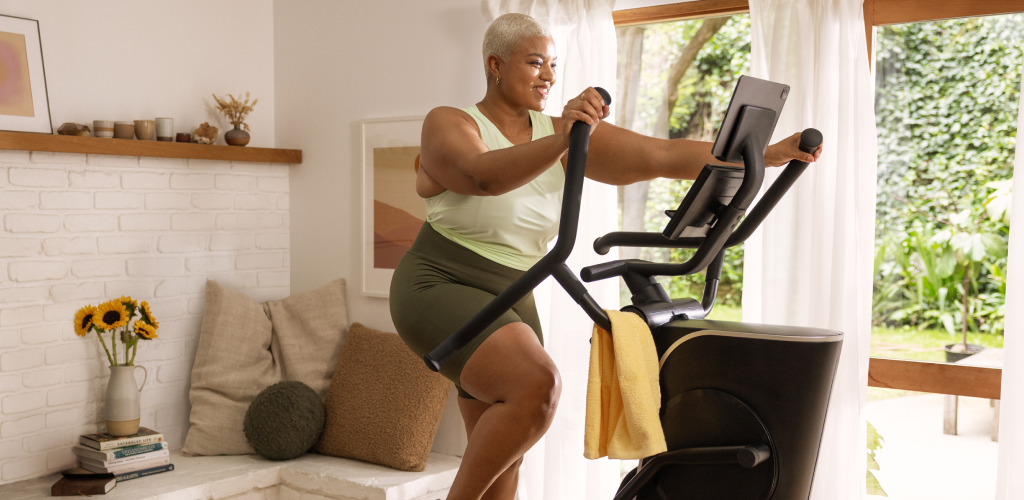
(623, 395)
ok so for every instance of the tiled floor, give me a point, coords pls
(919, 462)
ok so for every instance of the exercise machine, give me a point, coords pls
(743, 405)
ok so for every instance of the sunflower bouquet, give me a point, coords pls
(123, 319)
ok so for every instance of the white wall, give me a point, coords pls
(83, 229)
(131, 60)
(78, 229)
(336, 64)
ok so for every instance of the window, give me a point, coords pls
(947, 95)
(675, 81)
(904, 358)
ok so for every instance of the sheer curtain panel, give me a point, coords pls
(555, 468)
(810, 263)
(1010, 478)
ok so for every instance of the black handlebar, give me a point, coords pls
(552, 264)
(810, 139)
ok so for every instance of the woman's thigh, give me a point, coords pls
(426, 316)
(510, 363)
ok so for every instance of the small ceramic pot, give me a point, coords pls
(103, 128)
(144, 129)
(122, 410)
(165, 129)
(184, 137)
(124, 130)
(236, 137)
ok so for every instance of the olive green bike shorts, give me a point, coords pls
(438, 286)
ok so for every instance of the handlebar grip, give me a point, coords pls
(810, 139)
(603, 270)
(604, 95)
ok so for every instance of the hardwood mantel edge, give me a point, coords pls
(679, 12)
(24, 141)
(940, 378)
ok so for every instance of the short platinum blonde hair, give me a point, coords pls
(506, 32)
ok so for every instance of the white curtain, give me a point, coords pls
(810, 263)
(555, 468)
(1010, 478)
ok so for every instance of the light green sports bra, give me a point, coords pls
(512, 229)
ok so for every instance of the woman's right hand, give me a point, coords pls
(588, 107)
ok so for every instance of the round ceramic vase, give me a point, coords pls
(122, 410)
(236, 137)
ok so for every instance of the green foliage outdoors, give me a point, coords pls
(704, 93)
(875, 443)
(947, 97)
(908, 342)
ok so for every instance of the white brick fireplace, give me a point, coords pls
(79, 229)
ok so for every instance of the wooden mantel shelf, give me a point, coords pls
(129, 147)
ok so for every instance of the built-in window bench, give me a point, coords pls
(250, 477)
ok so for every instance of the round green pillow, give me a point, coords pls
(285, 420)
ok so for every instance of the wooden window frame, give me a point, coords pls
(941, 378)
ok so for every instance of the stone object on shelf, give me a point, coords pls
(73, 129)
(205, 134)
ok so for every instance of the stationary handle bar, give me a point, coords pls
(552, 264)
(810, 139)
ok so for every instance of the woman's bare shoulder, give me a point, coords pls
(447, 116)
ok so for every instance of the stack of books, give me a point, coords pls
(126, 457)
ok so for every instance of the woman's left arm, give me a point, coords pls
(622, 157)
(619, 156)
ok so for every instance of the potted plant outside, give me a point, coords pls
(966, 244)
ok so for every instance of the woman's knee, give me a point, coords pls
(541, 392)
(509, 364)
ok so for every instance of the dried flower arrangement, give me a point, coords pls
(234, 110)
(116, 317)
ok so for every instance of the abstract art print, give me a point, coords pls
(24, 106)
(392, 211)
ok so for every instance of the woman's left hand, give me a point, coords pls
(788, 149)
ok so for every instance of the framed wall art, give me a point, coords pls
(24, 105)
(392, 211)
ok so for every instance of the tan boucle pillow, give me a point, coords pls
(383, 404)
(245, 347)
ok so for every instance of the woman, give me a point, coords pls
(492, 176)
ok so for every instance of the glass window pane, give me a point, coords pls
(703, 58)
(946, 100)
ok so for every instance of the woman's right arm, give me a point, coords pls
(454, 156)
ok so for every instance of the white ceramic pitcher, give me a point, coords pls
(122, 410)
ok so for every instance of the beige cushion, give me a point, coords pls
(245, 347)
(383, 404)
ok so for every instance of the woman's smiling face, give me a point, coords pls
(528, 76)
